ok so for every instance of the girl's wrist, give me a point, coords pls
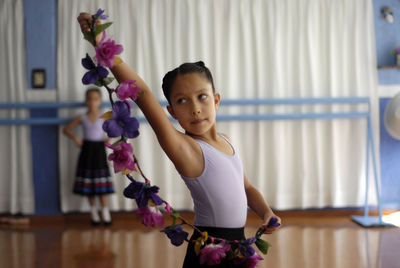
(268, 214)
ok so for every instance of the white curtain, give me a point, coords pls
(255, 49)
(16, 191)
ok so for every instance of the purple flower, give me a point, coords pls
(134, 190)
(249, 262)
(94, 73)
(212, 254)
(150, 218)
(176, 234)
(106, 51)
(273, 222)
(100, 14)
(127, 89)
(245, 247)
(142, 193)
(122, 157)
(121, 123)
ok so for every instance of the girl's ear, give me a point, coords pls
(171, 111)
(217, 100)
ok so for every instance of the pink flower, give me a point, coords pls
(248, 262)
(127, 89)
(106, 51)
(168, 208)
(150, 218)
(122, 156)
(212, 254)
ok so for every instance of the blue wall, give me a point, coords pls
(387, 39)
(390, 163)
(41, 38)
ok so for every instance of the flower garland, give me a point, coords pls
(119, 123)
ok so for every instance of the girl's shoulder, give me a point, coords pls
(78, 118)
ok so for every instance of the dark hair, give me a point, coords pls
(92, 89)
(185, 68)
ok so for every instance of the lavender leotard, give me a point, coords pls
(92, 131)
(218, 193)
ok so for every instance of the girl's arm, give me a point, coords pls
(180, 148)
(168, 137)
(257, 203)
(68, 131)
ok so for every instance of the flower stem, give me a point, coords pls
(94, 19)
(109, 92)
(140, 170)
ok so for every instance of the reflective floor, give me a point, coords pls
(321, 241)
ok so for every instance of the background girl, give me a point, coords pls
(92, 174)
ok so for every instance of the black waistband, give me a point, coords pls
(93, 142)
(224, 233)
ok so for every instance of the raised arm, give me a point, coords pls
(175, 144)
(167, 135)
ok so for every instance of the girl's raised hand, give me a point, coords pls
(84, 20)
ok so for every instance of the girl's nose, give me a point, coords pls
(196, 109)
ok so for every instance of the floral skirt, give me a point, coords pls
(92, 174)
(192, 260)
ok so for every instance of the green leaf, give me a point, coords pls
(116, 143)
(101, 28)
(99, 83)
(262, 245)
(108, 80)
(88, 36)
(175, 215)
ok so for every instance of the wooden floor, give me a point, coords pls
(305, 240)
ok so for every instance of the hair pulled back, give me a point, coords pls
(92, 89)
(185, 68)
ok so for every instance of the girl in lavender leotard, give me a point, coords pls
(92, 174)
(205, 159)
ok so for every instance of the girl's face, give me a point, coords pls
(193, 103)
(93, 100)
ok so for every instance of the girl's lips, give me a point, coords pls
(198, 121)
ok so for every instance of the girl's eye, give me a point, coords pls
(180, 101)
(202, 96)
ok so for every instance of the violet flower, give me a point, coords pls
(95, 73)
(150, 193)
(134, 190)
(150, 218)
(176, 234)
(127, 89)
(106, 51)
(249, 262)
(142, 193)
(245, 247)
(273, 222)
(100, 14)
(212, 254)
(122, 156)
(121, 123)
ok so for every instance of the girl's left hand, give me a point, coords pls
(271, 223)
